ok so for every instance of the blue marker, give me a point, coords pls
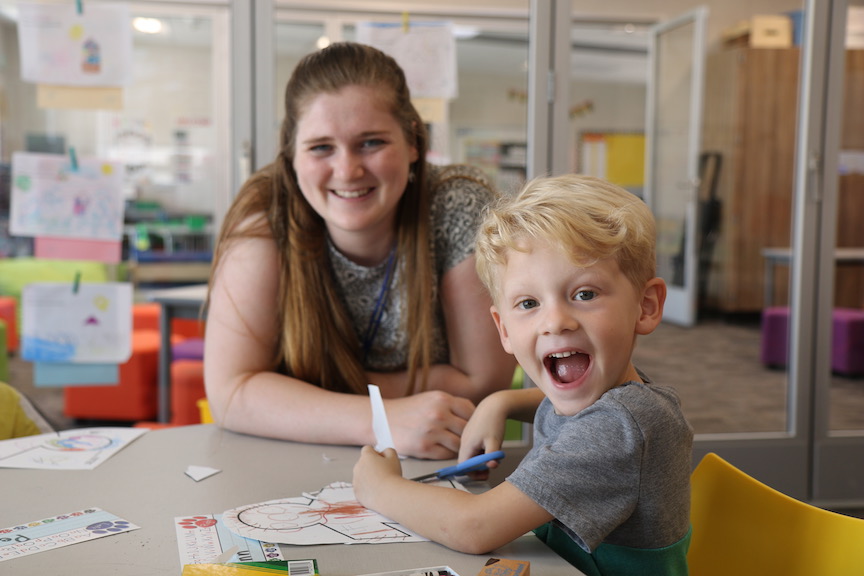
(475, 464)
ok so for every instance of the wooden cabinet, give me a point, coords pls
(750, 118)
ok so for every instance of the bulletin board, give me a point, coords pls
(615, 156)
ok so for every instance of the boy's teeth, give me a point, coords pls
(561, 354)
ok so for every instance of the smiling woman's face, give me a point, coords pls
(352, 163)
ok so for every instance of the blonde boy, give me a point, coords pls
(570, 265)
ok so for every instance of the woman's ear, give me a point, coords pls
(653, 299)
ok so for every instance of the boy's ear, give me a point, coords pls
(653, 299)
(502, 329)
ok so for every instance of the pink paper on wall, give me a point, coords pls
(108, 251)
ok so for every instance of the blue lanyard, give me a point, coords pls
(378, 312)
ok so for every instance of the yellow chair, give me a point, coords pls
(743, 527)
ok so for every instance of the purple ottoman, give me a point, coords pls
(775, 336)
(189, 349)
(847, 349)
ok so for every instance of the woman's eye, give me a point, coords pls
(320, 149)
(585, 295)
(527, 304)
(373, 143)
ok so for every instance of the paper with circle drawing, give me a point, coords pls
(92, 325)
(330, 516)
(79, 449)
(383, 437)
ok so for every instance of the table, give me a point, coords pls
(145, 484)
(183, 302)
(774, 256)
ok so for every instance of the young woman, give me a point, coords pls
(349, 261)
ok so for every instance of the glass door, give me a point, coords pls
(485, 124)
(673, 137)
(839, 394)
(168, 128)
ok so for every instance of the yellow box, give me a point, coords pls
(769, 31)
(505, 567)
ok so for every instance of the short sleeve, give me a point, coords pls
(588, 477)
(459, 195)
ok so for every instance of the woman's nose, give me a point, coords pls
(348, 166)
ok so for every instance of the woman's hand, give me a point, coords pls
(429, 424)
(370, 473)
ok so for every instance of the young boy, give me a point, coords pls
(570, 265)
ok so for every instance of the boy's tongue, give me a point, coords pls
(571, 368)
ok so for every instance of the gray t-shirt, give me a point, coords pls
(616, 472)
(459, 193)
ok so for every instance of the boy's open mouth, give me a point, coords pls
(566, 367)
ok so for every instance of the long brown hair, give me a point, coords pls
(318, 343)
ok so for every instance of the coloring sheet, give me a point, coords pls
(52, 197)
(203, 538)
(90, 323)
(63, 530)
(81, 449)
(60, 46)
(330, 516)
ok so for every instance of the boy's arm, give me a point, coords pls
(484, 432)
(470, 523)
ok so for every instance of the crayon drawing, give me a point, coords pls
(90, 324)
(330, 516)
(52, 198)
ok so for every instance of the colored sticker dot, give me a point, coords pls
(23, 182)
(76, 32)
(107, 169)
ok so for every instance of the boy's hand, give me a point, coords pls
(484, 432)
(371, 472)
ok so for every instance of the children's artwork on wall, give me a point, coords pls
(53, 197)
(426, 51)
(62, 322)
(331, 515)
(60, 46)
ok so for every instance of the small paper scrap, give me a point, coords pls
(199, 473)
(383, 437)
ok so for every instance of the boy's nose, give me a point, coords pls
(559, 318)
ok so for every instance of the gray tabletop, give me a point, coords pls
(146, 484)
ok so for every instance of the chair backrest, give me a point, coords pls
(743, 527)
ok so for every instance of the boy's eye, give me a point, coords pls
(527, 304)
(585, 295)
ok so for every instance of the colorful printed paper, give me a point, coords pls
(287, 568)
(203, 538)
(57, 195)
(330, 516)
(60, 46)
(90, 323)
(80, 449)
(62, 530)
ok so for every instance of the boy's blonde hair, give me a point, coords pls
(589, 218)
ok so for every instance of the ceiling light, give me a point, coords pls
(147, 25)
